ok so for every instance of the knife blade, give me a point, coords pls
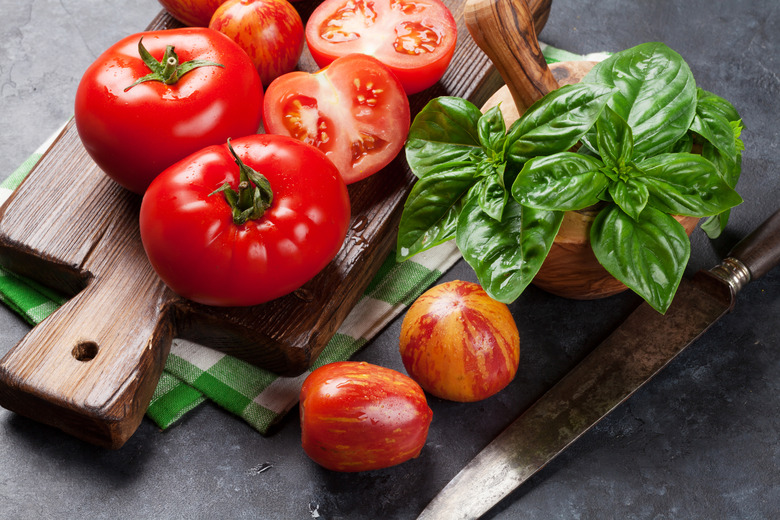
(637, 350)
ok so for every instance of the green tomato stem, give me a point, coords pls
(254, 195)
(169, 70)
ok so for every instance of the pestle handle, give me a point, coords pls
(505, 31)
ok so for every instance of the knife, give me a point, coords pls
(637, 350)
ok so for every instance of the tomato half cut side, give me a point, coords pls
(355, 111)
(414, 38)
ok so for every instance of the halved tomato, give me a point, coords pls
(354, 110)
(415, 38)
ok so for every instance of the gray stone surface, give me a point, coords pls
(699, 441)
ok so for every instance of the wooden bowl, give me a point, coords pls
(571, 269)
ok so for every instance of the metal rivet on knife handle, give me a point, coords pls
(753, 256)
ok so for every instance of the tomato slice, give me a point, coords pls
(354, 110)
(414, 38)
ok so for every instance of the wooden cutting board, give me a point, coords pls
(90, 368)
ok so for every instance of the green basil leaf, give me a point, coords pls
(656, 95)
(444, 131)
(648, 255)
(561, 182)
(492, 130)
(717, 103)
(729, 169)
(631, 195)
(614, 139)
(715, 224)
(712, 124)
(686, 184)
(556, 122)
(730, 172)
(683, 145)
(431, 210)
(506, 255)
(492, 196)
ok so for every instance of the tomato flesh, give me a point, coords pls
(415, 38)
(354, 110)
(304, 122)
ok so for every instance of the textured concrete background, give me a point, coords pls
(699, 441)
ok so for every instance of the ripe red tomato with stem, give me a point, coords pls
(354, 110)
(414, 38)
(194, 13)
(269, 31)
(243, 223)
(356, 416)
(155, 97)
(458, 343)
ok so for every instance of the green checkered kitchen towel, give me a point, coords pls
(194, 373)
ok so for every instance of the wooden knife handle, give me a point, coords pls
(760, 250)
(505, 31)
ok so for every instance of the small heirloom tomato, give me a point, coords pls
(415, 38)
(354, 110)
(270, 31)
(458, 343)
(356, 416)
(243, 223)
(155, 97)
(195, 13)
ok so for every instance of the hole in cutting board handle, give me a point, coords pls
(85, 351)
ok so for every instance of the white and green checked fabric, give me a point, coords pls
(553, 55)
(194, 373)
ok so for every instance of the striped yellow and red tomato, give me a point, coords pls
(356, 416)
(460, 344)
(269, 31)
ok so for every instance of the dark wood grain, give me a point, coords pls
(91, 367)
(505, 30)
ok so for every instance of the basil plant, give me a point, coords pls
(621, 140)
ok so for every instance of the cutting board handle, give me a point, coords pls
(505, 31)
(90, 368)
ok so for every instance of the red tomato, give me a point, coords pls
(415, 38)
(210, 252)
(270, 31)
(134, 133)
(354, 110)
(356, 417)
(196, 13)
(459, 343)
